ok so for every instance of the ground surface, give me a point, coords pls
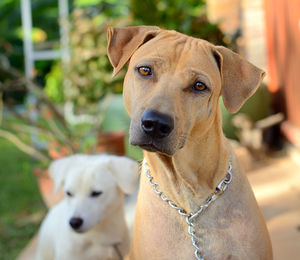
(21, 206)
(277, 189)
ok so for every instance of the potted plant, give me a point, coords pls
(84, 84)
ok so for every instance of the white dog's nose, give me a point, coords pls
(76, 223)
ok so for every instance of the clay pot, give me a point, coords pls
(111, 142)
(46, 188)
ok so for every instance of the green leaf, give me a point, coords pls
(82, 3)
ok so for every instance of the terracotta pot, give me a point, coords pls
(111, 142)
(46, 188)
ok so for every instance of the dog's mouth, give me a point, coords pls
(149, 147)
(79, 231)
(155, 145)
(152, 147)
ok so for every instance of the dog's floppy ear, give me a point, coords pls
(240, 78)
(123, 42)
(125, 172)
(58, 170)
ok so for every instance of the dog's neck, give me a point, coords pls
(195, 170)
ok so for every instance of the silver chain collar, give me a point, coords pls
(189, 217)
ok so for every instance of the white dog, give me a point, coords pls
(89, 223)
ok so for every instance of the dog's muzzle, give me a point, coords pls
(153, 132)
(156, 125)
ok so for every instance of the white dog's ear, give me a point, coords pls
(58, 170)
(240, 78)
(125, 172)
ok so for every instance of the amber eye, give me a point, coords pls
(199, 86)
(144, 71)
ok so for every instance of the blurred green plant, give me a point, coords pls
(86, 81)
(187, 16)
(110, 8)
(45, 23)
(18, 127)
(87, 77)
(55, 135)
(54, 85)
(48, 134)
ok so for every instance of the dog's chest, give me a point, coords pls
(160, 228)
(162, 233)
(85, 249)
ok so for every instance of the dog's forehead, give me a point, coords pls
(176, 49)
(88, 175)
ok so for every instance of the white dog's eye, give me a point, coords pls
(69, 194)
(96, 193)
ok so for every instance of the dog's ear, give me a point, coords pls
(123, 42)
(125, 172)
(240, 78)
(58, 170)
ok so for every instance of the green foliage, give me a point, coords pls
(44, 15)
(38, 35)
(108, 8)
(185, 16)
(54, 84)
(10, 21)
(82, 3)
(87, 77)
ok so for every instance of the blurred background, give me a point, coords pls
(57, 98)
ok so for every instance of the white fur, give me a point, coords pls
(103, 216)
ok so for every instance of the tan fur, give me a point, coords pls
(192, 160)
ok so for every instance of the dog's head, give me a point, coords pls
(94, 186)
(173, 84)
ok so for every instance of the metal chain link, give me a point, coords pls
(189, 217)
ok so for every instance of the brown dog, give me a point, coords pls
(171, 91)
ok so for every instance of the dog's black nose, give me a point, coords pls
(76, 223)
(156, 124)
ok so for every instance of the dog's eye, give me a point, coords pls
(144, 71)
(69, 194)
(96, 193)
(199, 86)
